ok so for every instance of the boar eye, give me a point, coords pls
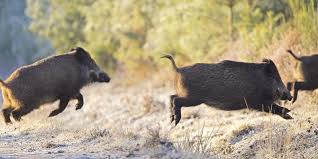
(93, 76)
(278, 91)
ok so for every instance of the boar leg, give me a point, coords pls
(171, 107)
(6, 114)
(80, 100)
(302, 86)
(275, 109)
(289, 86)
(281, 111)
(16, 114)
(180, 102)
(63, 103)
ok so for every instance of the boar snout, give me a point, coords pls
(103, 77)
(287, 96)
(99, 77)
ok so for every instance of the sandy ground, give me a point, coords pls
(133, 122)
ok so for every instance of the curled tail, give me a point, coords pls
(172, 61)
(296, 57)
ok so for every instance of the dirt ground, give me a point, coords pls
(133, 122)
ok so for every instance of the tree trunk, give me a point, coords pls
(231, 19)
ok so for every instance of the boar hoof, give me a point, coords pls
(287, 116)
(54, 113)
(6, 114)
(171, 118)
(177, 115)
(285, 111)
(8, 122)
(78, 106)
(16, 116)
(177, 121)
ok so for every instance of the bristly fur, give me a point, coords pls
(309, 65)
(229, 85)
(54, 78)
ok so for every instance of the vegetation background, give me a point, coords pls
(133, 34)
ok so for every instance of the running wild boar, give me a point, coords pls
(309, 66)
(58, 77)
(229, 85)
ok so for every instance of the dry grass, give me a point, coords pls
(98, 133)
(199, 142)
(133, 123)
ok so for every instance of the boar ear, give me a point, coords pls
(81, 54)
(270, 67)
(267, 60)
(77, 49)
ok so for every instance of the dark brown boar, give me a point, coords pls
(309, 65)
(229, 85)
(55, 78)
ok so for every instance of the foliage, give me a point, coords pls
(305, 21)
(60, 21)
(134, 32)
(18, 46)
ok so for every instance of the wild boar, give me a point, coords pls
(229, 85)
(57, 77)
(309, 65)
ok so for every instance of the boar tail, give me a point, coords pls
(172, 61)
(296, 57)
(2, 84)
